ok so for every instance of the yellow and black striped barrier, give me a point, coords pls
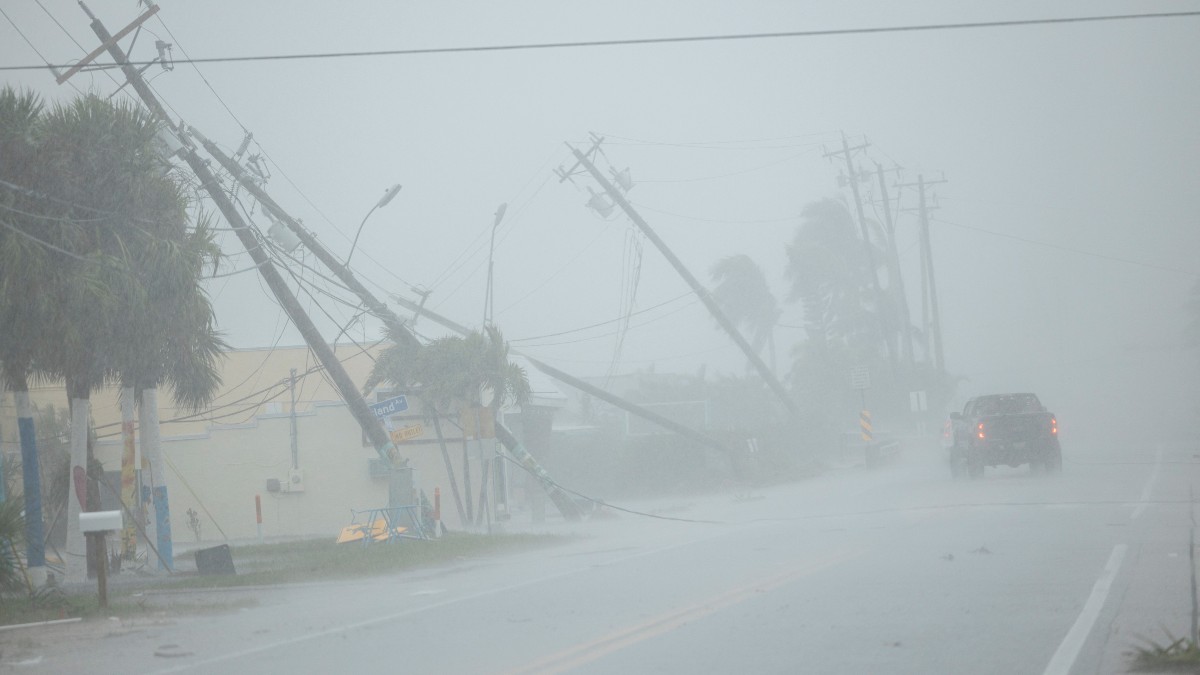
(864, 424)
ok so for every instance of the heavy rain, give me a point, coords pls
(538, 337)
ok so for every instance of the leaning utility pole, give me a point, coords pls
(346, 387)
(397, 325)
(380, 310)
(852, 178)
(698, 288)
(341, 271)
(895, 277)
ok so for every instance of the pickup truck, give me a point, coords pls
(1003, 429)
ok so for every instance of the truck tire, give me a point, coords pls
(1053, 461)
(1038, 466)
(974, 463)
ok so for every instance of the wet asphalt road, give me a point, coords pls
(897, 569)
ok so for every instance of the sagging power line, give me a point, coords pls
(728, 37)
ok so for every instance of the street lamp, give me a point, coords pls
(383, 201)
(487, 297)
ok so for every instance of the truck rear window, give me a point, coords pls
(1008, 404)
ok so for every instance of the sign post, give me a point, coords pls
(860, 379)
(95, 525)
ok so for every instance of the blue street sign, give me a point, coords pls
(391, 406)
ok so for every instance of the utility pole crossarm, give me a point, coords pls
(698, 288)
(112, 41)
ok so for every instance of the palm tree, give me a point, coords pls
(460, 374)
(456, 373)
(744, 295)
(139, 313)
(830, 277)
(827, 267)
(401, 367)
(22, 308)
(167, 338)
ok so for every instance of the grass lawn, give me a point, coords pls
(265, 564)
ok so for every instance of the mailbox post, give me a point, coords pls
(96, 524)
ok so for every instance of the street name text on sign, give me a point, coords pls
(391, 406)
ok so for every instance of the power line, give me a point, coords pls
(560, 270)
(728, 37)
(745, 144)
(731, 174)
(603, 504)
(192, 63)
(72, 38)
(601, 323)
(43, 242)
(36, 50)
(615, 332)
(1090, 254)
(759, 221)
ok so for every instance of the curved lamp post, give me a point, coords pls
(383, 201)
(487, 296)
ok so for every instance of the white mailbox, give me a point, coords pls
(99, 521)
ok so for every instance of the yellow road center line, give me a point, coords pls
(586, 652)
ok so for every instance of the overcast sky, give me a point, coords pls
(1066, 235)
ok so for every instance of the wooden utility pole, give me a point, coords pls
(295, 433)
(889, 337)
(895, 276)
(939, 356)
(346, 387)
(341, 271)
(698, 288)
(385, 314)
(380, 310)
(930, 313)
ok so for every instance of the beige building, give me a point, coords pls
(221, 460)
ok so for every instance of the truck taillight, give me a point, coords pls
(1053, 426)
(979, 429)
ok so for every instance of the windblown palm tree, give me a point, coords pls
(453, 374)
(745, 297)
(830, 278)
(118, 273)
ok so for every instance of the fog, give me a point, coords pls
(1063, 244)
(1064, 160)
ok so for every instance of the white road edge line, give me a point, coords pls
(1064, 659)
(1144, 501)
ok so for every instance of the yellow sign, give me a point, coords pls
(478, 418)
(407, 433)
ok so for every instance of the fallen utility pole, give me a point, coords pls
(566, 505)
(698, 288)
(371, 425)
